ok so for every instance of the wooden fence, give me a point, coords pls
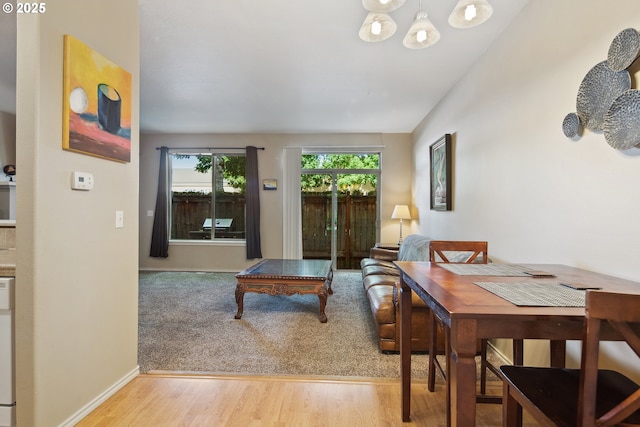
(356, 227)
(356, 223)
(189, 212)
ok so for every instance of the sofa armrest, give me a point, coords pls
(384, 254)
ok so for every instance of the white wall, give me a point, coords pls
(395, 188)
(533, 194)
(77, 276)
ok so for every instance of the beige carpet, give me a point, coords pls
(187, 324)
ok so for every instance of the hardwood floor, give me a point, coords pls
(170, 400)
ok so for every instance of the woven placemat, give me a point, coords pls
(487, 269)
(536, 294)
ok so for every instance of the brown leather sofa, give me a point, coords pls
(381, 282)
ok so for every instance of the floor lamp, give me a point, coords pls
(401, 212)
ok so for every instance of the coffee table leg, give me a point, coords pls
(239, 300)
(329, 280)
(322, 296)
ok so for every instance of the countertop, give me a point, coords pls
(7, 262)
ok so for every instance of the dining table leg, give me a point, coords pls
(405, 350)
(463, 337)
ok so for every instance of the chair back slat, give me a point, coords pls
(440, 247)
(623, 410)
(630, 336)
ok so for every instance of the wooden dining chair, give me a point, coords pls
(588, 396)
(440, 251)
(450, 251)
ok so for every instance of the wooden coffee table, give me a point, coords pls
(286, 277)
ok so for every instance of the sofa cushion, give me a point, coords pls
(416, 301)
(376, 269)
(383, 253)
(373, 261)
(380, 280)
(381, 302)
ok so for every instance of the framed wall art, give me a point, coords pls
(96, 104)
(269, 184)
(440, 167)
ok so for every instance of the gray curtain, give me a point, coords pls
(253, 205)
(160, 234)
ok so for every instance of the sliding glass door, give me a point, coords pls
(318, 217)
(340, 213)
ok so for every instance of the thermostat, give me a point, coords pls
(81, 181)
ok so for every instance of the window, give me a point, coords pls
(207, 196)
(354, 180)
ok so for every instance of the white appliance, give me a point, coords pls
(7, 353)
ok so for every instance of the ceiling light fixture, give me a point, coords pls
(382, 5)
(422, 32)
(377, 27)
(469, 13)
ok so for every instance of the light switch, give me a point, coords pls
(119, 219)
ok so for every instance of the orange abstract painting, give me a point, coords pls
(97, 104)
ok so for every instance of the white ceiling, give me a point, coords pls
(246, 66)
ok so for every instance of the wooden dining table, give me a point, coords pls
(472, 312)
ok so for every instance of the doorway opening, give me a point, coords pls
(340, 207)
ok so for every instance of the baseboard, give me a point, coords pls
(199, 270)
(100, 399)
(185, 270)
(283, 377)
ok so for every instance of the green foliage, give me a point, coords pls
(234, 171)
(354, 183)
(204, 163)
(233, 168)
(340, 161)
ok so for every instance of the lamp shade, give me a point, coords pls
(401, 212)
(469, 13)
(422, 33)
(382, 5)
(377, 27)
